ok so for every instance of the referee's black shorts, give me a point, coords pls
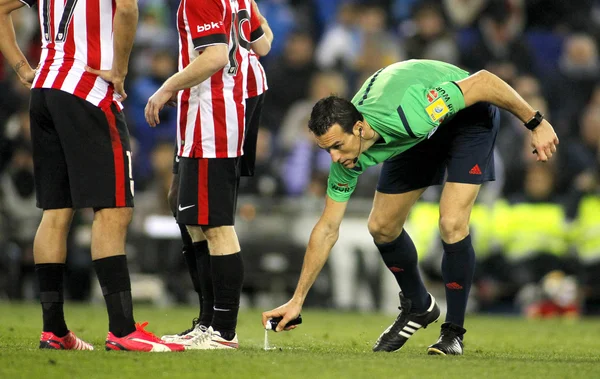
(463, 147)
(81, 153)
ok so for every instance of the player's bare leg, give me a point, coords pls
(458, 263)
(50, 243)
(109, 231)
(389, 214)
(417, 308)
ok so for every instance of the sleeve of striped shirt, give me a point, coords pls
(205, 19)
(256, 30)
(29, 3)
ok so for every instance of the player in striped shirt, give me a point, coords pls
(81, 153)
(215, 41)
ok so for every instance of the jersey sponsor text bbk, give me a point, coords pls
(205, 27)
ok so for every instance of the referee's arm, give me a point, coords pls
(485, 86)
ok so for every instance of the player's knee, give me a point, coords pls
(114, 217)
(382, 231)
(222, 240)
(453, 228)
(196, 233)
(58, 218)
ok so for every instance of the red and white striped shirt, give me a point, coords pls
(256, 78)
(76, 33)
(211, 114)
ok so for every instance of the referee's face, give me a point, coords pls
(342, 147)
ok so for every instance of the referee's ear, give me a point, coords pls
(357, 129)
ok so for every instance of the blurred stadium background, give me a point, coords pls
(536, 229)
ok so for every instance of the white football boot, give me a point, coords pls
(212, 340)
(186, 336)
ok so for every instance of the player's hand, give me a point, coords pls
(544, 141)
(288, 311)
(117, 80)
(156, 103)
(26, 76)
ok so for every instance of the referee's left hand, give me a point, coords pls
(156, 103)
(544, 141)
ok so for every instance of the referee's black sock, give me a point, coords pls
(400, 257)
(190, 259)
(228, 277)
(50, 280)
(113, 276)
(458, 267)
(207, 300)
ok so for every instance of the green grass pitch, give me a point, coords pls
(328, 345)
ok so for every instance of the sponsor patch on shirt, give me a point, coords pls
(341, 187)
(437, 110)
(432, 95)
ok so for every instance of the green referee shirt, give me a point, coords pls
(405, 103)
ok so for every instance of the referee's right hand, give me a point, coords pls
(288, 311)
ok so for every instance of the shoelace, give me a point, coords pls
(141, 328)
(201, 337)
(195, 322)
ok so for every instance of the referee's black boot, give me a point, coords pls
(450, 341)
(406, 324)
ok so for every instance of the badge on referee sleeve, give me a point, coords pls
(437, 110)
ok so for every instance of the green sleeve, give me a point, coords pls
(423, 108)
(342, 181)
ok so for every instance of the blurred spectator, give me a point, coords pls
(501, 49)
(539, 184)
(282, 22)
(560, 15)
(339, 47)
(402, 10)
(578, 165)
(514, 146)
(574, 83)
(162, 66)
(379, 47)
(464, 13)
(302, 158)
(155, 32)
(295, 122)
(153, 201)
(556, 295)
(19, 209)
(432, 39)
(289, 78)
(527, 86)
(266, 181)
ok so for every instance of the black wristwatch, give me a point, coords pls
(535, 121)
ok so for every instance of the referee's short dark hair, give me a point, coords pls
(333, 110)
